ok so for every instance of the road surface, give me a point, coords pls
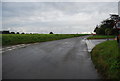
(60, 59)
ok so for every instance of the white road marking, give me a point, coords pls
(1, 52)
(36, 43)
(13, 47)
(8, 47)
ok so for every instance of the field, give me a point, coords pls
(0, 40)
(13, 39)
(106, 57)
(100, 37)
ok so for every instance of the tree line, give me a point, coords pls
(107, 26)
(8, 32)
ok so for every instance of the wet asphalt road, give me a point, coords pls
(60, 59)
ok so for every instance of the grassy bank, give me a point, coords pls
(0, 40)
(100, 37)
(106, 57)
(12, 39)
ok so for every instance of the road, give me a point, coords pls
(60, 59)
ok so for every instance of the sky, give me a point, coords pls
(57, 17)
(60, 0)
(119, 8)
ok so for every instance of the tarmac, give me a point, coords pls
(91, 43)
(59, 59)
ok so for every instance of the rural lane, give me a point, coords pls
(60, 59)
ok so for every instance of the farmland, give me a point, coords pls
(13, 39)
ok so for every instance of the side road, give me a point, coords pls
(92, 43)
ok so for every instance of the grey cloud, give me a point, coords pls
(0, 16)
(26, 8)
(60, 0)
(55, 16)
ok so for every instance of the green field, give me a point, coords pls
(100, 37)
(0, 39)
(106, 57)
(13, 39)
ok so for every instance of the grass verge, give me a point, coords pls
(100, 37)
(106, 57)
(13, 39)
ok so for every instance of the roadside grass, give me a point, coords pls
(106, 57)
(0, 40)
(100, 37)
(13, 39)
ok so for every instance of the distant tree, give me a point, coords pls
(5, 32)
(12, 32)
(23, 33)
(51, 33)
(17, 33)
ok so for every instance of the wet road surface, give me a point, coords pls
(60, 59)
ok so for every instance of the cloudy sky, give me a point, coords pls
(58, 17)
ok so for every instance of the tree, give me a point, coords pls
(17, 33)
(12, 32)
(108, 31)
(107, 26)
(115, 31)
(95, 30)
(51, 33)
(5, 32)
(23, 33)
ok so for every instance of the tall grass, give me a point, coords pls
(106, 57)
(12, 39)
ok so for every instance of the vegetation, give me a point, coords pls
(0, 39)
(107, 26)
(51, 33)
(100, 37)
(12, 39)
(106, 57)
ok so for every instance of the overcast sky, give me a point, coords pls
(58, 17)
